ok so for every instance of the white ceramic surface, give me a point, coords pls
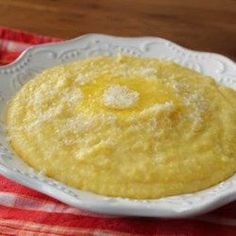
(35, 59)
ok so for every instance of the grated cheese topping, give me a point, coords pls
(82, 76)
(120, 97)
(158, 108)
(73, 96)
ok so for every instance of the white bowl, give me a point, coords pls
(35, 59)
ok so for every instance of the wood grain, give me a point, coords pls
(207, 25)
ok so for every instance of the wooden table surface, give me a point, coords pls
(206, 25)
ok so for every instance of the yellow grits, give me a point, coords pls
(126, 127)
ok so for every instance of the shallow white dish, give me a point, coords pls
(35, 59)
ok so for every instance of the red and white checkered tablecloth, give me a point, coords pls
(25, 212)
